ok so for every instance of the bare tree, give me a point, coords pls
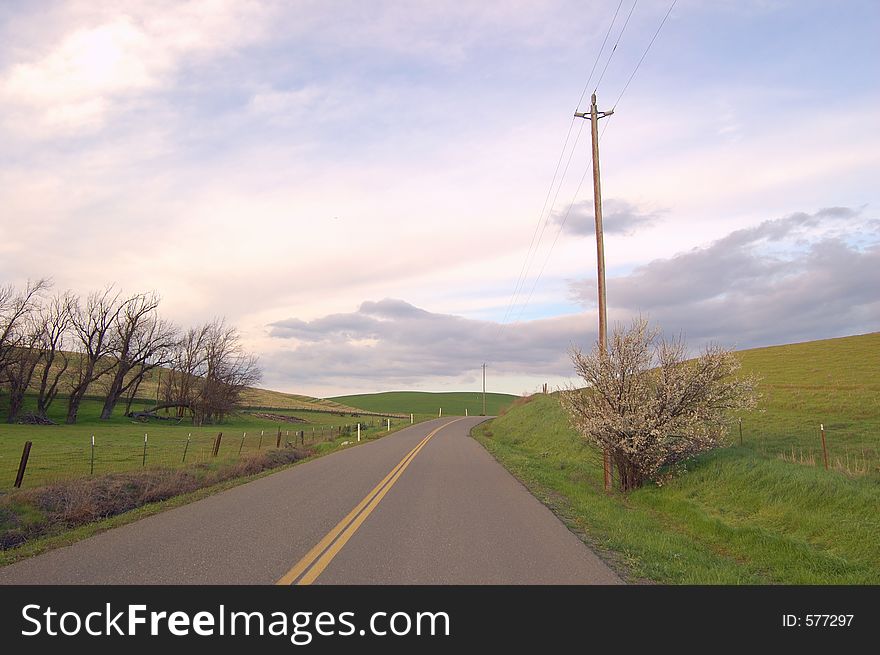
(19, 334)
(92, 327)
(229, 371)
(210, 372)
(55, 320)
(183, 381)
(650, 406)
(22, 362)
(141, 342)
(15, 309)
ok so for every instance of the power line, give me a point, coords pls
(614, 49)
(601, 50)
(521, 278)
(523, 274)
(644, 54)
(559, 231)
(604, 129)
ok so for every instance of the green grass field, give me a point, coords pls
(834, 382)
(740, 515)
(64, 451)
(423, 402)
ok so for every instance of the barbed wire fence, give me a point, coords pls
(52, 461)
(808, 444)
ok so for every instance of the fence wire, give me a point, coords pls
(50, 462)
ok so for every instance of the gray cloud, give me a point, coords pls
(810, 283)
(618, 217)
(772, 283)
(393, 342)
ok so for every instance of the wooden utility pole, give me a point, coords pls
(484, 390)
(594, 117)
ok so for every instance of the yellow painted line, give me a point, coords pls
(313, 554)
(328, 546)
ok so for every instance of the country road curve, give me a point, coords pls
(425, 505)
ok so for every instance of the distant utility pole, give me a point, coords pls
(484, 390)
(594, 117)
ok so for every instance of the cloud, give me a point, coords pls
(111, 56)
(803, 276)
(397, 343)
(618, 217)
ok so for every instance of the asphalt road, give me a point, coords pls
(426, 505)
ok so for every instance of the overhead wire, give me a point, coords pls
(644, 54)
(559, 230)
(604, 129)
(533, 246)
(616, 43)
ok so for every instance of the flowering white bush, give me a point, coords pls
(651, 406)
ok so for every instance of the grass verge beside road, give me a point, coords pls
(740, 515)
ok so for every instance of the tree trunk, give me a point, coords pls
(20, 381)
(73, 408)
(49, 389)
(76, 396)
(133, 393)
(628, 474)
(113, 393)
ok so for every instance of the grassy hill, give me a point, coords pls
(424, 402)
(254, 397)
(835, 382)
(763, 512)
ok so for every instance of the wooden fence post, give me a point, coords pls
(217, 445)
(25, 454)
(824, 447)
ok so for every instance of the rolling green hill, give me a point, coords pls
(835, 382)
(147, 391)
(424, 402)
(763, 512)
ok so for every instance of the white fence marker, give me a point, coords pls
(389, 425)
(441, 412)
(359, 431)
(411, 419)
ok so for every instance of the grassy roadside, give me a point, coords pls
(64, 535)
(63, 451)
(735, 518)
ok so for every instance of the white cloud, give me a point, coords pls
(113, 52)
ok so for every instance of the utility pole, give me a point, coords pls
(594, 117)
(484, 390)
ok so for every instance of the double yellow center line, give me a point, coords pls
(316, 560)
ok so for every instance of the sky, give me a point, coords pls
(386, 195)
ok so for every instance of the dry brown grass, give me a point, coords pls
(857, 464)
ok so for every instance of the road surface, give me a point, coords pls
(425, 505)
